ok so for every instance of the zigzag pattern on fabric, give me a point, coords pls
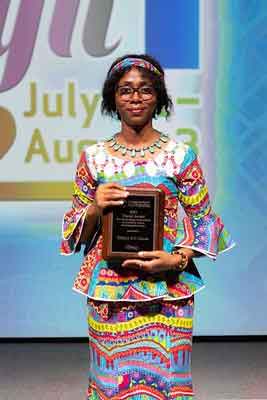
(146, 356)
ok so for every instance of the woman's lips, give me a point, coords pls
(136, 111)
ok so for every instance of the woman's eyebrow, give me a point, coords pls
(131, 82)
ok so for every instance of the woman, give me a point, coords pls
(140, 311)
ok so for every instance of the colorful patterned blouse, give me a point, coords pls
(176, 171)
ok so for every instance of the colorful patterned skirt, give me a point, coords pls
(140, 350)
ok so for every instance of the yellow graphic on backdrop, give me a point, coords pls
(51, 105)
(69, 96)
(71, 103)
(7, 131)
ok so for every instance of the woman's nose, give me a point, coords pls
(136, 96)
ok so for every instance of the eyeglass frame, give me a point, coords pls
(136, 90)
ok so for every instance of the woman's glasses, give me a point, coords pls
(126, 92)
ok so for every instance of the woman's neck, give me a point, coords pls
(137, 135)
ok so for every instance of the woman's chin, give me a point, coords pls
(137, 121)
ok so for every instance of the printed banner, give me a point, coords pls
(54, 56)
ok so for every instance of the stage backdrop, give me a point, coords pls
(54, 57)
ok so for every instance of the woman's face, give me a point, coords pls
(135, 98)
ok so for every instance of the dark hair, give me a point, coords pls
(164, 103)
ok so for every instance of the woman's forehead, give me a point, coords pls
(134, 75)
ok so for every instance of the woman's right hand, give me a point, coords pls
(109, 195)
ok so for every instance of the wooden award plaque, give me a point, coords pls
(135, 226)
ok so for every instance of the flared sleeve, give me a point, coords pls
(201, 229)
(83, 196)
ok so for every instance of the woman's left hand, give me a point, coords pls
(153, 261)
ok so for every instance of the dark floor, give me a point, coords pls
(58, 371)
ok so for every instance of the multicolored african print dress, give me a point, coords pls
(140, 325)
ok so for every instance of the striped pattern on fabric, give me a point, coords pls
(176, 171)
(140, 350)
(131, 62)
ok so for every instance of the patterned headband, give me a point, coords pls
(134, 62)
